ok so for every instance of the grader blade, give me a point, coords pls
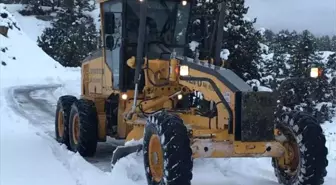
(123, 151)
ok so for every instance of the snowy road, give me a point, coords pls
(37, 103)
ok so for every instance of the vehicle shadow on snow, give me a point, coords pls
(103, 156)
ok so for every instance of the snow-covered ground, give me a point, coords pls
(29, 155)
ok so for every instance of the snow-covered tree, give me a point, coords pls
(33, 7)
(269, 38)
(300, 91)
(240, 39)
(333, 43)
(274, 66)
(331, 63)
(324, 43)
(79, 5)
(202, 27)
(70, 39)
(330, 71)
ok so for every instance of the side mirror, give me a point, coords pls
(109, 22)
(109, 42)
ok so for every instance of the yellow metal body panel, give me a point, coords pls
(210, 94)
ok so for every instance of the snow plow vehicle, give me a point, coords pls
(140, 86)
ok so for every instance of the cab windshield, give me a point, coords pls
(166, 23)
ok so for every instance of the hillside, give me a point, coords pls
(23, 62)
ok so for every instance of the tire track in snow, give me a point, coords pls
(37, 112)
(37, 104)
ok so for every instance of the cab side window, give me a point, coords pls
(112, 37)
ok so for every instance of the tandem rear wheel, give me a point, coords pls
(76, 125)
(62, 119)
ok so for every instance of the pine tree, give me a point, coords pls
(331, 64)
(242, 40)
(304, 55)
(276, 68)
(324, 43)
(285, 41)
(333, 43)
(70, 39)
(79, 5)
(33, 8)
(330, 71)
(269, 39)
(202, 27)
(266, 68)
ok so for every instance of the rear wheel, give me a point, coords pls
(83, 129)
(305, 161)
(62, 118)
(167, 152)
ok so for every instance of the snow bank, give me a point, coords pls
(28, 156)
(330, 132)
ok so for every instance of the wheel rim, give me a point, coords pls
(75, 129)
(155, 156)
(292, 167)
(60, 124)
(293, 155)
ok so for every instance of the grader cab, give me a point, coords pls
(141, 86)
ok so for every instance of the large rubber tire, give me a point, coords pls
(86, 143)
(62, 119)
(175, 148)
(312, 152)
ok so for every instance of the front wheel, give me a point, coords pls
(306, 156)
(167, 152)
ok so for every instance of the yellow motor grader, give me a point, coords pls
(141, 86)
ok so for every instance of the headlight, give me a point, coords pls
(124, 96)
(314, 72)
(184, 3)
(184, 70)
